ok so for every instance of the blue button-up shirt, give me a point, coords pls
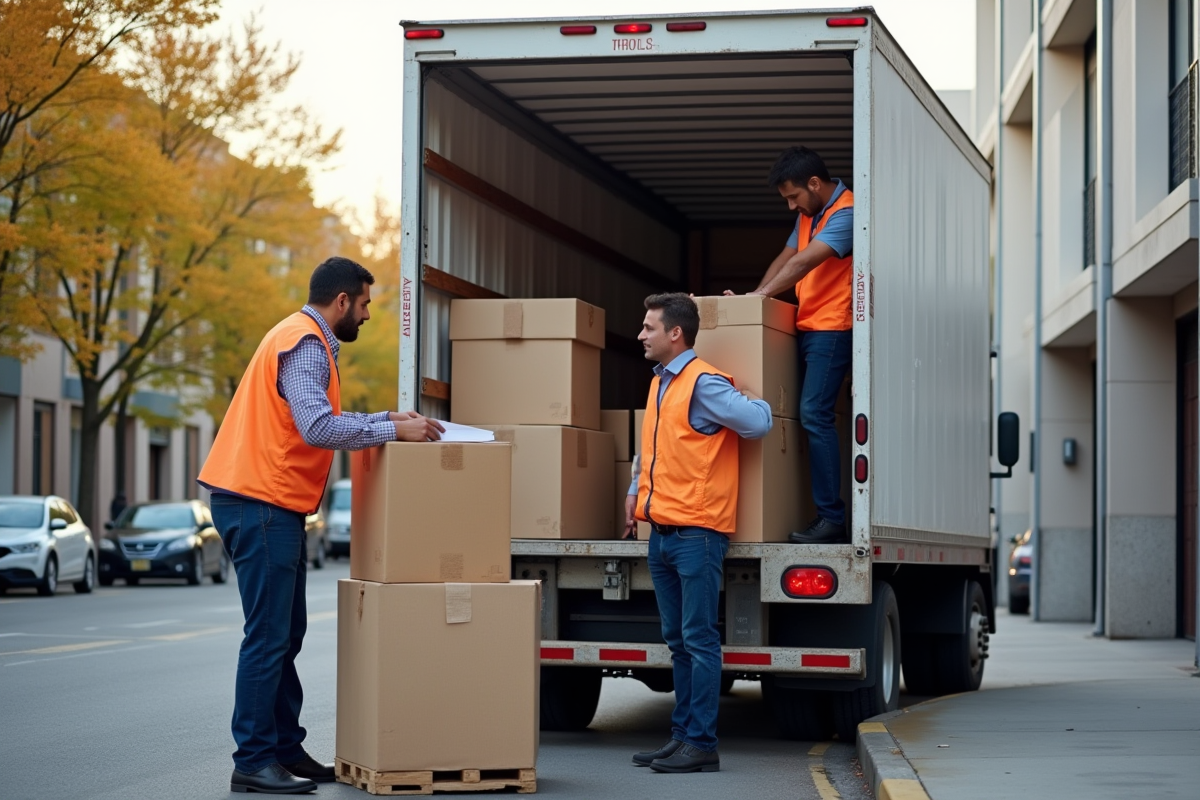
(838, 233)
(715, 404)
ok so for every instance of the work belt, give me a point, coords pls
(665, 530)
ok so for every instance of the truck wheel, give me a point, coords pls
(918, 658)
(960, 657)
(851, 708)
(802, 714)
(1018, 605)
(569, 697)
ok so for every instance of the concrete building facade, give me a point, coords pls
(1107, 400)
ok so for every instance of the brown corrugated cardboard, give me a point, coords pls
(762, 360)
(546, 318)
(774, 494)
(525, 382)
(430, 512)
(721, 311)
(411, 691)
(562, 481)
(639, 416)
(620, 425)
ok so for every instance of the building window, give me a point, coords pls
(191, 461)
(43, 448)
(1089, 154)
(1183, 93)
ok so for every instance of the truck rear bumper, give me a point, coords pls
(845, 663)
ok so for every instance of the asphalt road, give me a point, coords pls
(127, 694)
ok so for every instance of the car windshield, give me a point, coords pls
(158, 517)
(341, 500)
(21, 514)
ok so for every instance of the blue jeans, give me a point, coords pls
(686, 567)
(267, 546)
(824, 361)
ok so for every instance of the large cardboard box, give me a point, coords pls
(429, 512)
(774, 493)
(639, 416)
(622, 475)
(753, 339)
(562, 481)
(620, 425)
(438, 676)
(542, 318)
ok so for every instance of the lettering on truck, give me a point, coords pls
(406, 308)
(634, 44)
(860, 299)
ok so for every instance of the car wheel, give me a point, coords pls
(318, 561)
(1018, 605)
(132, 581)
(222, 573)
(49, 583)
(88, 581)
(197, 574)
(106, 580)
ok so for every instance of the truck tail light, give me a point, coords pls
(846, 22)
(1024, 561)
(860, 469)
(577, 30)
(633, 27)
(425, 33)
(681, 27)
(860, 429)
(812, 582)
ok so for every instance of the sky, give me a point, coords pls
(351, 55)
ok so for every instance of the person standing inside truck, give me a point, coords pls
(817, 261)
(687, 490)
(267, 471)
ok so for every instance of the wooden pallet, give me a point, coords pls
(524, 781)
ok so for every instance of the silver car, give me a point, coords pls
(42, 542)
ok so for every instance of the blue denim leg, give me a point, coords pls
(266, 545)
(824, 361)
(686, 569)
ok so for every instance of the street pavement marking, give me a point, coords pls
(81, 655)
(322, 615)
(2, 635)
(179, 637)
(902, 789)
(156, 623)
(66, 648)
(819, 749)
(821, 781)
(872, 727)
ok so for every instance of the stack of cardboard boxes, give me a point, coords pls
(529, 370)
(438, 651)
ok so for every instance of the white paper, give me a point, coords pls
(465, 433)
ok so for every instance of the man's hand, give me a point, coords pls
(412, 427)
(630, 522)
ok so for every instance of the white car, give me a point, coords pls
(338, 519)
(42, 542)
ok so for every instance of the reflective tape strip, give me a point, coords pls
(783, 660)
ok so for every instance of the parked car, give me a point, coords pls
(163, 540)
(1020, 567)
(43, 541)
(339, 519)
(316, 540)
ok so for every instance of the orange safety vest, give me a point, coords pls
(687, 477)
(258, 452)
(824, 293)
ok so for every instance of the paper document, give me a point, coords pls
(465, 433)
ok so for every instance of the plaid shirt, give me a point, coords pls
(304, 382)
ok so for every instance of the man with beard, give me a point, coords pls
(267, 471)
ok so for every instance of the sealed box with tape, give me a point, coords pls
(562, 481)
(526, 362)
(411, 694)
(430, 512)
(753, 338)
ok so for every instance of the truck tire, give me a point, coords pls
(569, 697)
(852, 707)
(802, 714)
(960, 657)
(1018, 605)
(920, 659)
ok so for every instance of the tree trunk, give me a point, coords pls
(119, 448)
(89, 450)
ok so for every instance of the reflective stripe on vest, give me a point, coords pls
(687, 478)
(825, 293)
(258, 451)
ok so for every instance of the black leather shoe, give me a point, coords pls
(271, 779)
(821, 531)
(309, 767)
(644, 759)
(688, 759)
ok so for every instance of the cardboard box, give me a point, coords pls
(430, 512)
(753, 339)
(543, 318)
(622, 476)
(774, 492)
(562, 481)
(438, 676)
(639, 417)
(620, 425)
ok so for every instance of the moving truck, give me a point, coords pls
(607, 159)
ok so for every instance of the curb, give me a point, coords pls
(884, 766)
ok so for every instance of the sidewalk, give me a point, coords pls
(1061, 714)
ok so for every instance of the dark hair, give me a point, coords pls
(678, 311)
(798, 165)
(334, 276)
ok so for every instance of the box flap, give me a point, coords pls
(542, 318)
(716, 312)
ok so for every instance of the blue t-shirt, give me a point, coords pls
(838, 233)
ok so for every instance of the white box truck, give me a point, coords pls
(608, 159)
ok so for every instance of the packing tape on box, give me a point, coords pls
(362, 593)
(581, 449)
(452, 456)
(514, 320)
(458, 603)
(708, 313)
(508, 435)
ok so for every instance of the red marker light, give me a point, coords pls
(633, 27)
(846, 22)
(860, 469)
(682, 27)
(577, 30)
(860, 429)
(425, 33)
(814, 582)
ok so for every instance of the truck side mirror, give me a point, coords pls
(1008, 442)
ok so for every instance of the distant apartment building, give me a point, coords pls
(1117, 330)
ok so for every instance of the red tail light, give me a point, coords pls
(846, 22)
(577, 30)
(633, 27)
(1024, 561)
(425, 33)
(860, 429)
(812, 582)
(860, 469)
(680, 27)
